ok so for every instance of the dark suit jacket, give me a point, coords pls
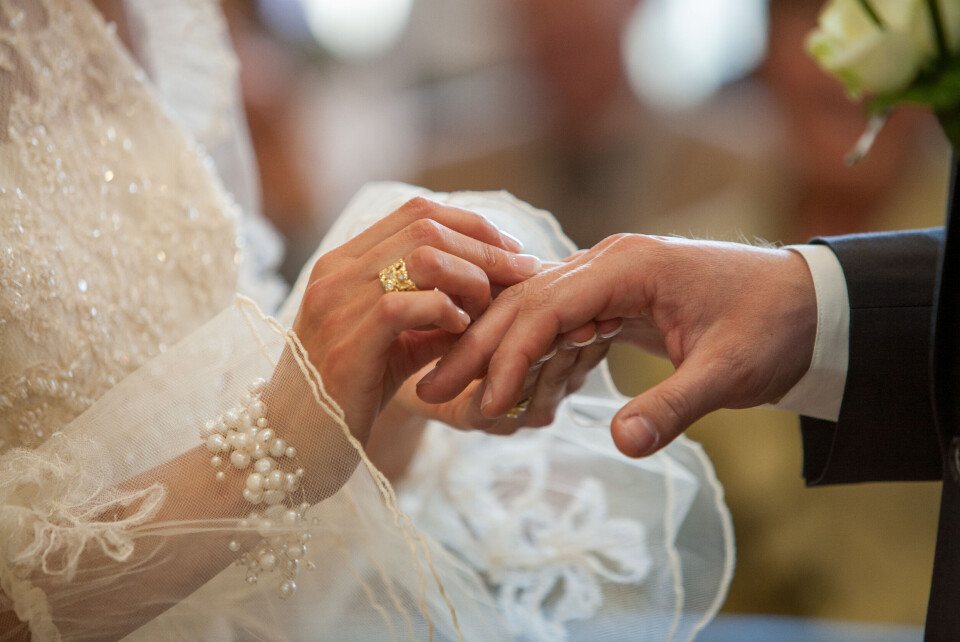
(900, 417)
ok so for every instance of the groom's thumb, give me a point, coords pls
(653, 419)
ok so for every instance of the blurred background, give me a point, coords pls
(701, 118)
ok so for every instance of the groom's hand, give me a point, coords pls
(738, 323)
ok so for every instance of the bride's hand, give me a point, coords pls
(364, 341)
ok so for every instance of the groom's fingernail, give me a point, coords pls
(427, 378)
(511, 241)
(644, 437)
(487, 398)
(612, 333)
(526, 264)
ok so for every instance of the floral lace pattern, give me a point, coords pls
(541, 535)
(118, 238)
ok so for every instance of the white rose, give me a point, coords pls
(868, 58)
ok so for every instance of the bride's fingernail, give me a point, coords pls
(511, 241)
(427, 378)
(644, 437)
(526, 264)
(463, 317)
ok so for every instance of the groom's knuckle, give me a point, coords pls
(676, 405)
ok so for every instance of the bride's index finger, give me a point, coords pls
(459, 220)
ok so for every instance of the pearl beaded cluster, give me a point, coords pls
(241, 438)
(282, 548)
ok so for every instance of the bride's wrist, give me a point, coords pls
(395, 439)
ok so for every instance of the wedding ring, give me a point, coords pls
(394, 278)
(519, 409)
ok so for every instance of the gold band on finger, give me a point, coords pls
(394, 278)
(519, 409)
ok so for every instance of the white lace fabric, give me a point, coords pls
(121, 336)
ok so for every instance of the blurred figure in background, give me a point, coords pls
(534, 97)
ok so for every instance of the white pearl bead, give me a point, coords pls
(287, 589)
(215, 461)
(264, 527)
(262, 422)
(255, 482)
(272, 497)
(239, 459)
(254, 497)
(257, 385)
(268, 561)
(209, 427)
(265, 465)
(275, 480)
(259, 452)
(234, 546)
(231, 417)
(246, 399)
(291, 482)
(265, 436)
(232, 438)
(296, 551)
(216, 443)
(220, 476)
(256, 409)
(300, 472)
(278, 447)
(291, 452)
(290, 518)
(242, 441)
(304, 507)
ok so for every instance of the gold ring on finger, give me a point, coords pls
(519, 409)
(395, 278)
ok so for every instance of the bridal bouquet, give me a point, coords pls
(893, 52)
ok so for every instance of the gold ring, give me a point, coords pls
(520, 408)
(394, 278)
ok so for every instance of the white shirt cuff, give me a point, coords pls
(819, 392)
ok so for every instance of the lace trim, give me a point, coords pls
(51, 505)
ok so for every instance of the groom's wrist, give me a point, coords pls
(819, 393)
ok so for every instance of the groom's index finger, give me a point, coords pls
(468, 358)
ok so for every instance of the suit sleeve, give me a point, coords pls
(886, 429)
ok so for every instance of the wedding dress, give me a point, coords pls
(138, 391)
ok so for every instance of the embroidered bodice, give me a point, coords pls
(117, 239)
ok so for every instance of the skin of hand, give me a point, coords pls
(738, 322)
(559, 373)
(365, 342)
